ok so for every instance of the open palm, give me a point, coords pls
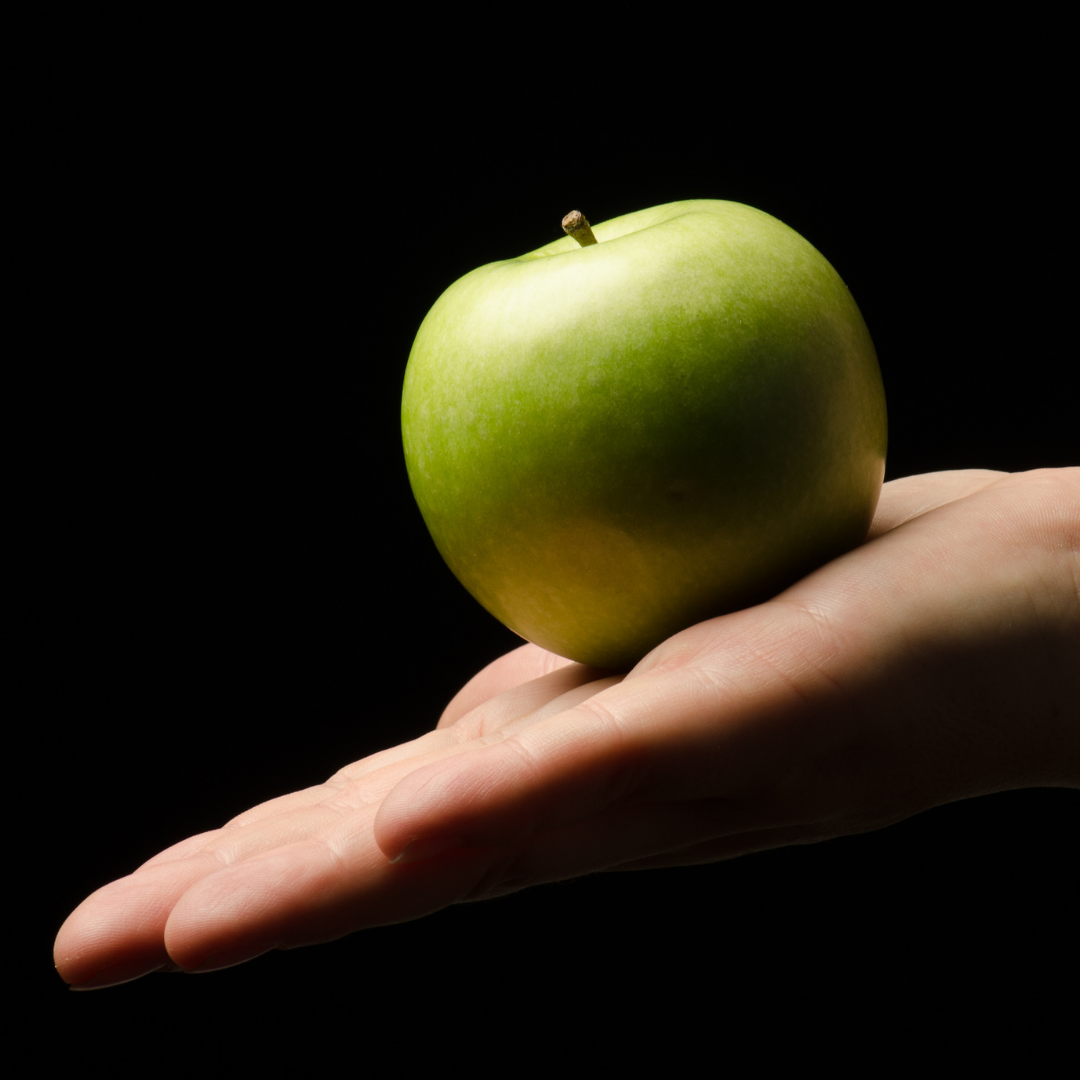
(936, 662)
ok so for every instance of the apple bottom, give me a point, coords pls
(604, 595)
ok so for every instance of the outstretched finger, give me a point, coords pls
(119, 932)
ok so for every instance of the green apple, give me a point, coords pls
(612, 442)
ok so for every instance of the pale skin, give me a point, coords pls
(939, 661)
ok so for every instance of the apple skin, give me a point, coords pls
(611, 443)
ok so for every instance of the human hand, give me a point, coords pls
(936, 662)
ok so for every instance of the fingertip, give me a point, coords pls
(117, 933)
(482, 798)
(89, 960)
(417, 812)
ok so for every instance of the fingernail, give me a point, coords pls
(425, 848)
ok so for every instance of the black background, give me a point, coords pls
(233, 593)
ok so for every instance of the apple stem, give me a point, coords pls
(576, 225)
